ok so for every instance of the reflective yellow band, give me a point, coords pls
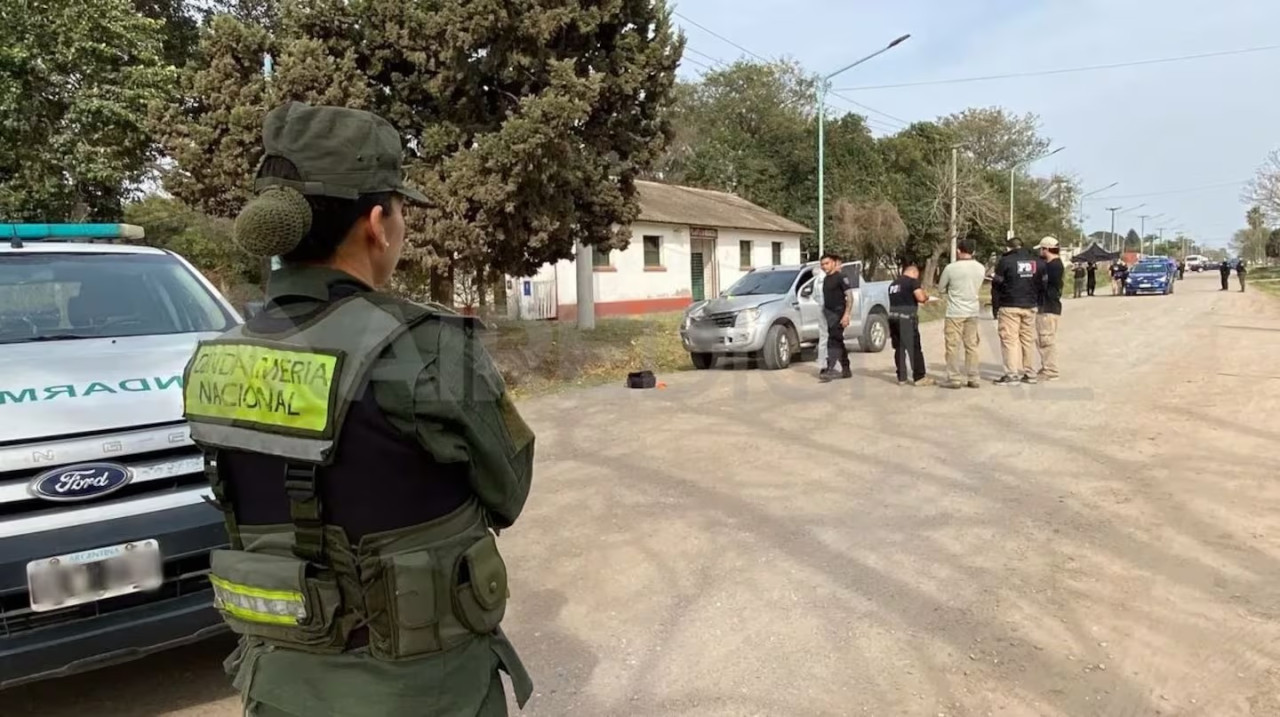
(277, 607)
(243, 381)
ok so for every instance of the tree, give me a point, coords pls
(747, 129)
(994, 138)
(181, 30)
(1252, 241)
(76, 78)
(1132, 242)
(870, 230)
(1263, 191)
(527, 128)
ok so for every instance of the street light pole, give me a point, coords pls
(1082, 198)
(824, 85)
(1014, 169)
(1115, 242)
(955, 163)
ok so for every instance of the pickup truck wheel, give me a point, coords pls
(702, 362)
(779, 346)
(875, 334)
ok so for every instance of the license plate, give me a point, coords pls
(74, 579)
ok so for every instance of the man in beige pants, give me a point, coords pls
(1016, 287)
(961, 281)
(1050, 308)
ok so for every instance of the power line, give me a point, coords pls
(699, 53)
(1173, 191)
(762, 58)
(698, 63)
(713, 33)
(899, 120)
(1061, 71)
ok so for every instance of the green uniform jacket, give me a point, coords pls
(438, 385)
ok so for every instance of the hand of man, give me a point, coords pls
(844, 322)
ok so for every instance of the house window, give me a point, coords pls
(600, 256)
(744, 254)
(777, 253)
(652, 252)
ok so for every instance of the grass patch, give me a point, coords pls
(1266, 279)
(540, 356)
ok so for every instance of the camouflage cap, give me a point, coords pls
(340, 152)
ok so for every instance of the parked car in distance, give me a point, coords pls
(770, 314)
(1151, 275)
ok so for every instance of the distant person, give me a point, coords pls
(1240, 272)
(1092, 272)
(1016, 289)
(905, 298)
(1224, 270)
(961, 282)
(1077, 280)
(1182, 268)
(837, 302)
(1119, 272)
(1050, 308)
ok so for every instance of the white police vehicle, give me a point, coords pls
(104, 530)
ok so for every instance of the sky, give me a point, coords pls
(1156, 129)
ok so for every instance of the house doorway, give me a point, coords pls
(702, 262)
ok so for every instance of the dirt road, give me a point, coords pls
(752, 543)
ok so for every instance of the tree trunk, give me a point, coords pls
(441, 285)
(499, 292)
(482, 289)
(930, 270)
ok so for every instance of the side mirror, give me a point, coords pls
(253, 308)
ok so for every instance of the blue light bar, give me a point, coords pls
(69, 232)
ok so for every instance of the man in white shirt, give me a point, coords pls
(818, 275)
(961, 281)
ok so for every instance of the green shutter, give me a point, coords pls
(696, 278)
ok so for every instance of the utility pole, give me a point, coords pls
(1114, 239)
(586, 274)
(1082, 198)
(955, 228)
(1142, 231)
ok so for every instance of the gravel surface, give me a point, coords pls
(756, 543)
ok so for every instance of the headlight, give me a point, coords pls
(746, 317)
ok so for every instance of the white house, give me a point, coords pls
(687, 244)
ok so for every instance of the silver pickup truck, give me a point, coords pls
(771, 314)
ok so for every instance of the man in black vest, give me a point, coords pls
(362, 448)
(1224, 269)
(1016, 289)
(837, 303)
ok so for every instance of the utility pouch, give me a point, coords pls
(480, 586)
(409, 599)
(272, 598)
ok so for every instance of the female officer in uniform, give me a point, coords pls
(362, 448)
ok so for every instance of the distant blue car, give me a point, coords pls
(1151, 276)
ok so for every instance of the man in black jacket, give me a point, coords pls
(1016, 289)
(1050, 308)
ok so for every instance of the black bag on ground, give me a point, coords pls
(641, 379)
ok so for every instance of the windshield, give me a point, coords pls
(1150, 269)
(764, 282)
(46, 297)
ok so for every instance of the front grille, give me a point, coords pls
(159, 466)
(182, 576)
(723, 321)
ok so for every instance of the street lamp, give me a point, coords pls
(824, 85)
(1013, 169)
(1082, 198)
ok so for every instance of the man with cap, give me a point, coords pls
(1050, 309)
(1016, 286)
(363, 449)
